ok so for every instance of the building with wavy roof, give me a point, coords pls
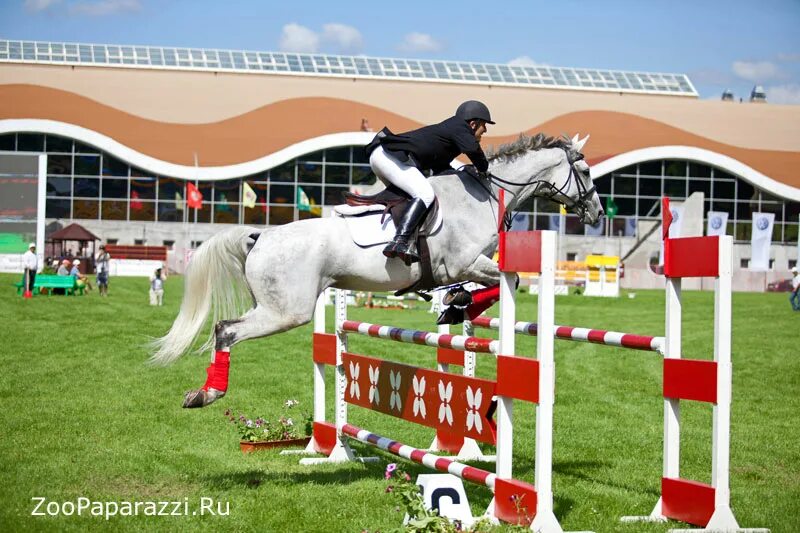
(125, 127)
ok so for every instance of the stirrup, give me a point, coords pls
(457, 296)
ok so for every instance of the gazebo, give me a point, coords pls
(75, 233)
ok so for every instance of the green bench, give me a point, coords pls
(50, 282)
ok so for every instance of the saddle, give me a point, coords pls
(394, 202)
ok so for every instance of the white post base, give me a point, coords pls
(654, 516)
(470, 451)
(546, 522)
(341, 453)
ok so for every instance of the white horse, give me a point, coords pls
(278, 273)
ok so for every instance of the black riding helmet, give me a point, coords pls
(473, 109)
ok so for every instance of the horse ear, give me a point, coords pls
(578, 146)
(575, 139)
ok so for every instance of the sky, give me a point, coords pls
(720, 45)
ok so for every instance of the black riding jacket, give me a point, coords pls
(434, 147)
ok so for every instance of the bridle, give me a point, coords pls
(578, 205)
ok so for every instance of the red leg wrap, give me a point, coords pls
(483, 299)
(217, 372)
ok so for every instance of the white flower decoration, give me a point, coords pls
(354, 371)
(419, 391)
(473, 404)
(445, 395)
(374, 397)
(394, 398)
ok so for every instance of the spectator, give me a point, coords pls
(157, 287)
(31, 264)
(102, 264)
(81, 281)
(63, 270)
(365, 125)
(794, 296)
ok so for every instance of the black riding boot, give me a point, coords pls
(401, 245)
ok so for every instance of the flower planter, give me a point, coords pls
(250, 447)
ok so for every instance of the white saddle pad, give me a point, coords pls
(365, 227)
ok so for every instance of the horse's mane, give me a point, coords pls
(526, 143)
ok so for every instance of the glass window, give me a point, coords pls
(700, 186)
(649, 207)
(30, 142)
(87, 165)
(335, 195)
(59, 164)
(630, 171)
(8, 142)
(261, 191)
(81, 148)
(281, 194)
(144, 188)
(625, 207)
(309, 173)
(360, 156)
(363, 176)
(675, 187)
(651, 168)
(203, 214)
(89, 209)
(624, 185)
(114, 210)
(206, 188)
(675, 168)
(337, 155)
(167, 187)
(142, 210)
(314, 195)
(284, 173)
(226, 191)
(87, 188)
(168, 212)
(313, 156)
(724, 206)
(745, 191)
(743, 231)
(115, 188)
(226, 213)
(59, 186)
(57, 208)
(59, 144)
(256, 215)
(696, 170)
(650, 187)
(337, 174)
(603, 185)
(280, 215)
(724, 190)
(114, 167)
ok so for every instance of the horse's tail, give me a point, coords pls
(215, 281)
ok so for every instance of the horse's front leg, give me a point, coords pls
(464, 305)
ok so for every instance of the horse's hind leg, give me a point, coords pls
(258, 322)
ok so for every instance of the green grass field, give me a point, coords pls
(83, 417)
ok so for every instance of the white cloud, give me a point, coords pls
(784, 94)
(297, 38)
(104, 7)
(346, 39)
(35, 6)
(419, 42)
(756, 71)
(526, 61)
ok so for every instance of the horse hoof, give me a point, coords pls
(457, 296)
(451, 315)
(200, 398)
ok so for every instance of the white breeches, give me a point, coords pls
(157, 297)
(402, 175)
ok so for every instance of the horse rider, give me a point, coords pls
(402, 159)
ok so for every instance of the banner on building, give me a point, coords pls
(248, 195)
(717, 223)
(194, 198)
(761, 240)
(675, 228)
(519, 222)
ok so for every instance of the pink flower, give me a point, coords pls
(391, 467)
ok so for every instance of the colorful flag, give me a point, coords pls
(761, 240)
(561, 209)
(194, 198)
(717, 223)
(136, 204)
(249, 196)
(222, 203)
(611, 208)
(178, 201)
(302, 200)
